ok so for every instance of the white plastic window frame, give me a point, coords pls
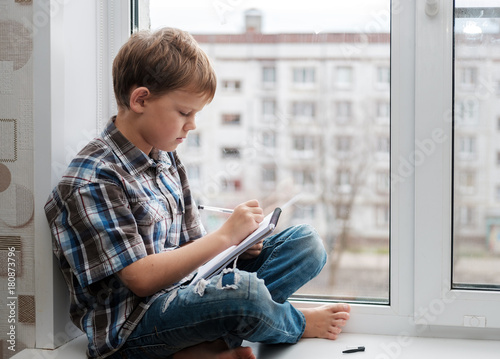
(436, 302)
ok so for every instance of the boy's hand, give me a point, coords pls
(154, 272)
(244, 220)
(253, 251)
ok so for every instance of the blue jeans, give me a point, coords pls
(249, 303)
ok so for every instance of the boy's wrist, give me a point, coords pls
(224, 238)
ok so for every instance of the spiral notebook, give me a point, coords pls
(223, 259)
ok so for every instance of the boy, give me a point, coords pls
(128, 238)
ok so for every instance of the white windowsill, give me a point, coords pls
(377, 346)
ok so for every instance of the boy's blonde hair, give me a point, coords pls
(165, 60)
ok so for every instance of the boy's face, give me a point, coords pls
(167, 119)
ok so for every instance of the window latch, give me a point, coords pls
(431, 7)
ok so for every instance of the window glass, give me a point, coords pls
(476, 219)
(231, 85)
(268, 75)
(304, 94)
(304, 75)
(194, 141)
(344, 77)
(230, 119)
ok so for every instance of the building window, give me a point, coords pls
(467, 147)
(467, 77)
(383, 77)
(383, 182)
(343, 180)
(343, 144)
(466, 216)
(193, 140)
(383, 145)
(343, 111)
(231, 85)
(231, 185)
(231, 152)
(268, 109)
(344, 77)
(467, 182)
(269, 176)
(466, 111)
(382, 215)
(231, 119)
(304, 179)
(304, 110)
(269, 75)
(269, 139)
(304, 146)
(383, 111)
(304, 75)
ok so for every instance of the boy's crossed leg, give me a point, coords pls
(325, 322)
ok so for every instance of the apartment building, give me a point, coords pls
(309, 114)
(300, 114)
(477, 150)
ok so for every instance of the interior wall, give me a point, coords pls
(17, 302)
(73, 100)
(69, 94)
(55, 96)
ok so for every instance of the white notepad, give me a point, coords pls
(223, 259)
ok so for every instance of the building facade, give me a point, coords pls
(304, 114)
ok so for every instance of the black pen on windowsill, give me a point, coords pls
(354, 350)
(215, 209)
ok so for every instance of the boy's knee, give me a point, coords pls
(308, 231)
(310, 241)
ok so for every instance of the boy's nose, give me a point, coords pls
(190, 125)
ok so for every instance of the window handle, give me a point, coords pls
(431, 7)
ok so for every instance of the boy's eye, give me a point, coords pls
(184, 114)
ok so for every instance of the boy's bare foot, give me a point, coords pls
(325, 321)
(214, 350)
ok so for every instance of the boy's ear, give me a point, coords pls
(137, 98)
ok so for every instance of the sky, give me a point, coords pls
(302, 16)
(476, 3)
(227, 16)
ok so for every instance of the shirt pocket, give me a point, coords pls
(149, 212)
(153, 223)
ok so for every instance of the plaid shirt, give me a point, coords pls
(113, 206)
